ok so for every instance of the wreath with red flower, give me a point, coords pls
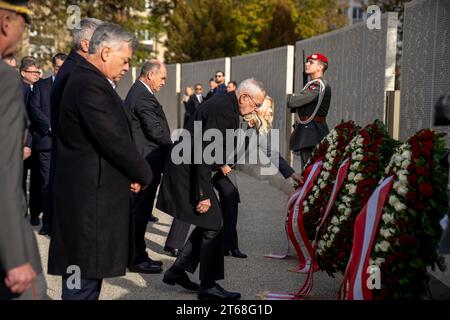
(370, 153)
(409, 232)
(313, 206)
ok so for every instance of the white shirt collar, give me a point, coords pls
(148, 88)
(112, 83)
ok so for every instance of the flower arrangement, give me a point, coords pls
(315, 203)
(408, 233)
(370, 152)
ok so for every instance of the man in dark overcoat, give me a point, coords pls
(97, 163)
(187, 192)
(40, 110)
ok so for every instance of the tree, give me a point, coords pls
(50, 34)
(281, 29)
(200, 30)
(318, 16)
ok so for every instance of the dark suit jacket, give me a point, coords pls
(96, 161)
(17, 241)
(40, 113)
(26, 92)
(221, 89)
(150, 128)
(184, 185)
(191, 105)
(304, 103)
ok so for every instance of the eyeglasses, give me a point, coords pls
(258, 105)
(219, 76)
(198, 89)
(33, 72)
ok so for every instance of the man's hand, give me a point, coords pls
(26, 152)
(298, 178)
(20, 279)
(203, 206)
(226, 170)
(135, 187)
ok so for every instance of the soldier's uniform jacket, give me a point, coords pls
(304, 104)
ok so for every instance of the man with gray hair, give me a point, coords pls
(79, 52)
(187, 193)
(152, 136)
(97, 164)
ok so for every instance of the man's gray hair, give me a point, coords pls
(85, 32)
(151, 65)
(111, 34)
(251, 86)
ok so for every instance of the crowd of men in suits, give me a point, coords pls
(97, 162)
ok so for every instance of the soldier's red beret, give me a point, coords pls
(318, 56)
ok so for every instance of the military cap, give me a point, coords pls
(18, 6)
(318, 56)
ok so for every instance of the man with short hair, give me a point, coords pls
(231, 86)
(220, 80)
(80, 48)
(195, 100)
(97, 164)
(79, 52)
(20, 266)
(152, 136)
(187, 193)
(40, 111)
(311, 107)
(30, 72)
(212, 88)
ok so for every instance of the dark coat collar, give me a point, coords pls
(73, 55)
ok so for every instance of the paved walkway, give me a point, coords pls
(261, 231)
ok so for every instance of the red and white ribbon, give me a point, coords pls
(298, 236)
(296, 198)
(291, 200)
(341, 174)
(298, 239)
(354, 285)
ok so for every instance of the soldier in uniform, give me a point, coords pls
(311, 107)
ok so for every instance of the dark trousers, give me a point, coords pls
(305, 154)
(44, 166)
(34, 196)
(204, 247)
(177, 234)
(89, 289)
(142, 208)
(229, 200)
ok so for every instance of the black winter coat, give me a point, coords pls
(96, 161)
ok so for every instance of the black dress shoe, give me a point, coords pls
(44, 230)
(217, 293)
(173, 252)
(181, 279)
(156, 262)
(153, 219)
(34, 221)
(146, 267)
(238, 254)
